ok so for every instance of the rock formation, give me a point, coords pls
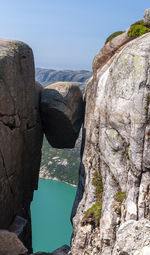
(20, 137)
(111, 213)
(147, 17)
(62, 113)
(10, 244)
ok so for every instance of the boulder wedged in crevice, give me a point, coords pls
(62, 113)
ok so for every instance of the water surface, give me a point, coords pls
(50, 212)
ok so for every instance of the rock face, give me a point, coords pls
(147, 17)
(108, 51)
(10, 244)
(62, 113)
(113, 198)
(20, 136)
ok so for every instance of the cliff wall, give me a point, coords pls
(20, 137)
(112, 206)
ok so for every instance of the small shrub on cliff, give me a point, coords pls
(119, 197)
(92, 215)
(137, 30)
(113, 36)
(97, 182)
(139, 22)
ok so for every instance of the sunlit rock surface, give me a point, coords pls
(116, 146)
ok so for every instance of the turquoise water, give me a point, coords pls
(50, 212)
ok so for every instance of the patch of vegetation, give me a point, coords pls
(119, 197)
(137, 30)
(139, 22)
(113, 36)
(97, 182)
(92, 215)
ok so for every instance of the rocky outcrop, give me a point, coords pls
(135, 236)
(20, 137)
(62, 113)
(108, 51)
(147, 17)
(113, 197)
(10, 244)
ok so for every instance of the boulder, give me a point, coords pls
(62, 113)
(10, 244)
(21, 134)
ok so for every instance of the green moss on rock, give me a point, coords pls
(92, 215)
(113, 36)
(97, 182)
(137, 30)
(119, 197)
(139, 22)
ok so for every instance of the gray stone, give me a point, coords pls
(62, 113)
(133, 237)
(116, 144)
(147, 17)
(20, 134)
(10, 244)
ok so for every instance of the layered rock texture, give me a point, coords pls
(62, 113)
(111, 213)
(20, 137)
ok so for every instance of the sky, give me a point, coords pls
(67, 34)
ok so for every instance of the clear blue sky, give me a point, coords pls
(67, 34)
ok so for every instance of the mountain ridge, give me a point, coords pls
(48, 76)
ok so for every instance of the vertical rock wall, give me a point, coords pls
(112, 205)
(20, 136)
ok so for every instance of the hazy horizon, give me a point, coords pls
(67, 34)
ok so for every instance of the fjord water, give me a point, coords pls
(50, 212)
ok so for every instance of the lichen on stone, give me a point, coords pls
(113, 35)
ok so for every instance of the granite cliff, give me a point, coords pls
(111, 213)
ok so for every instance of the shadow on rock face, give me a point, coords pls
(62, 114)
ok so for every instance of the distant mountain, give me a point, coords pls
(47, 76)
